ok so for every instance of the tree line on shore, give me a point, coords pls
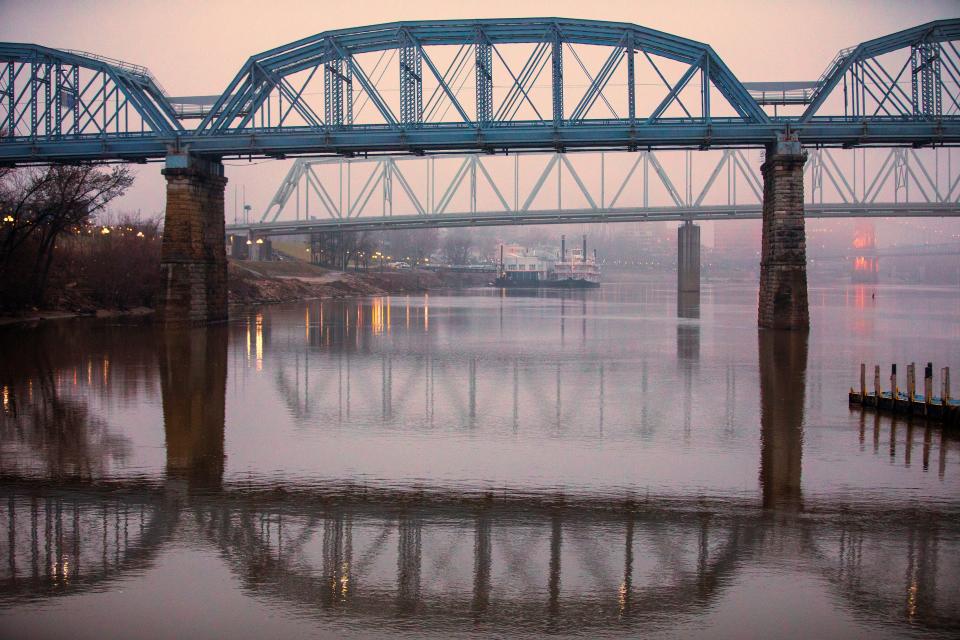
(55, 253)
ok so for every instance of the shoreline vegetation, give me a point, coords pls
(63, 255)
(258, 283)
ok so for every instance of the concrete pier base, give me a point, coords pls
(193, 259)
(783, 262)
(688, 258)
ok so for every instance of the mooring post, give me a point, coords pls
(893, 382)
(945, 386)
(911, 382)
(863, 381)
(927, 387)
(876, 385)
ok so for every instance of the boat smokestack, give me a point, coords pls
(563, 248)
(583, 255)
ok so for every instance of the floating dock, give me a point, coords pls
(940, 408)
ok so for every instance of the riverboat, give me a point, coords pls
(523, 268)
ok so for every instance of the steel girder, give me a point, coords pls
(584, 216)
(487, 97)
(373, 140)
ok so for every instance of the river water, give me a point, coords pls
(481, 463)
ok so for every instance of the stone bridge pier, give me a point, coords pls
(783, 257)
(193, 258)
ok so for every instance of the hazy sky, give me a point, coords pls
(195, 47)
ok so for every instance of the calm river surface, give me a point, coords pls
(598, 464)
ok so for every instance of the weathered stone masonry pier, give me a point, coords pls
(783, 258)
(193, 262)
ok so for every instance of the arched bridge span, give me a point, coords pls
(478, 85)
(490, 86)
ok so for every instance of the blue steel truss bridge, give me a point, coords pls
(507, 86)
(478, 85)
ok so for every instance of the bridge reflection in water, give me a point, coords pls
(441, 559)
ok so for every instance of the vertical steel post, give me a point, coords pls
(411, 85)
(11, 101)
(557, 59)
(58, 100)
(332, 105)
(387, 186)
(631, 83)
(33, 100)
(705, 88)
(48, 98)
(76, 100)
(473, 184)
(484, 76)
(602, 181)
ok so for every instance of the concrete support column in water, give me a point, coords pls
(688, 258)
(193, 259)
(783, 261)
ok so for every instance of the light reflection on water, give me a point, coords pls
(597, 463)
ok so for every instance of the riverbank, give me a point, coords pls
(256, 283)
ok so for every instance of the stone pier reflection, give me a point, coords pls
(783, 370)
(193, 374)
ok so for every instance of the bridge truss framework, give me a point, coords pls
(477, 85)
(475, 189)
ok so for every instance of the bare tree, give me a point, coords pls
(40, 204)
(456, 246)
